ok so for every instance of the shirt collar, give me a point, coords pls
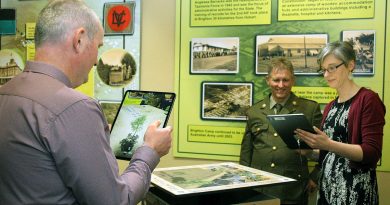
(47, 69)
(272, 102)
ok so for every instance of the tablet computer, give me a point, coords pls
(285, 125)
(136, 112)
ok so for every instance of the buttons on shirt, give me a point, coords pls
(273, 165)
(275, 134)
(274, 148)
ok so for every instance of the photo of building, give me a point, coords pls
(301, 50)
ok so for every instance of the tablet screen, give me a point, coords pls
(137, 111)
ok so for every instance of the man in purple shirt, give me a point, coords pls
(54, 141)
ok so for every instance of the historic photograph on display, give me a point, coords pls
(119, 18)
(215, 55)
(225, 100)
(116, 68)
(212, 177)
(11, 64)
(364, 45)
(301, 50)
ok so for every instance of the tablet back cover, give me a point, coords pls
(285, 125)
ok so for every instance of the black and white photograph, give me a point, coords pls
(364, 45)
(226, 100)
(301, 50)
(215, 55)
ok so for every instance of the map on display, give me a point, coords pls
(212, 177)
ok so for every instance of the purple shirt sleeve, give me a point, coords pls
(79, 143)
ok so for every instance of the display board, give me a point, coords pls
(230, 41)
(118, 67)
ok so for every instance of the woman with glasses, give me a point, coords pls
(350, 139)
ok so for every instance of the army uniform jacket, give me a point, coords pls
(262, 148)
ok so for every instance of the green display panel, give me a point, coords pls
(293, 29)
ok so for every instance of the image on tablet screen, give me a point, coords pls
(137, 111)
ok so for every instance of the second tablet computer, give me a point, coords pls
(286, 124)
(137, 111)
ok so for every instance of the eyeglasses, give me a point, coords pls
(330, 69)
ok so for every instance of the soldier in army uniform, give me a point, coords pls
(261, 146)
